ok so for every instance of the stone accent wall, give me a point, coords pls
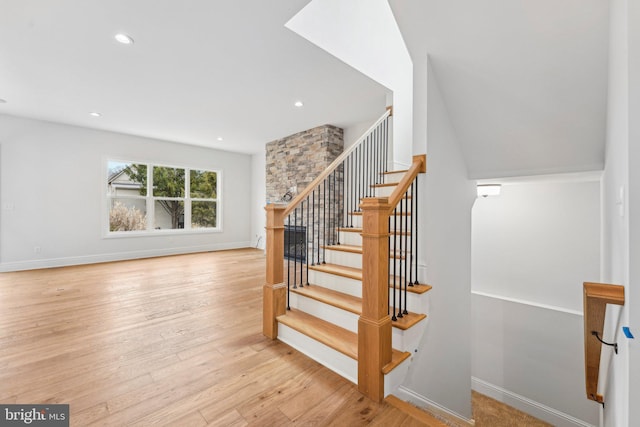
(294, 161)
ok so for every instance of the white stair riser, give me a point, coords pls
(347, 259)
(336, 283)
(350, 238)
(350, 259)
(353, 238)
(384, 191)
(393, 177)
(356, 221)
(332, 359)
(335, 315)
(416, 303)
(408, 340)
(395, 378)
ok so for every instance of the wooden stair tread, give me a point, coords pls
(344, 248)
(397, 357)
(339, 339)
(360, 213)
(355, 249)
(350, 229)
(329, 296)
(338, 270)
(359, 230)
(356, 274)
(414, 412)
(386, 184)
(352, 304)
(418, 288)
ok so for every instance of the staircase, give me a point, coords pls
(347, 294)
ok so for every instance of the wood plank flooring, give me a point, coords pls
(165, 341)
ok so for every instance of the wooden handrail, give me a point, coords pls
(596, 296)
(337, 162)
(419, 165)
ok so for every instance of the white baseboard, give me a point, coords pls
(531, 407)
(436, 409)
(118, 256)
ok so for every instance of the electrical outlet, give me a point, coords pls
(8, 206)
(37, 249)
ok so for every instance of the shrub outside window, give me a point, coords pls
(145, 198)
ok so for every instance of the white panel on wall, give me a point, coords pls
(533, 352)
(538, 242)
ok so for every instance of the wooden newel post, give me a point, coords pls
(374, 325)
(274, 293)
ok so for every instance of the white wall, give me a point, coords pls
(614, 377)
(532, 248)
(633, 294)
(364, 34)
(53, 185)
(258, 200)
(440, 375)
(538, 242)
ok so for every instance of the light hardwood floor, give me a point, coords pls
(165, 341)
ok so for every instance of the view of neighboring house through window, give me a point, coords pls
(144, 197)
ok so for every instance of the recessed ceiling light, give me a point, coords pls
(95, 114)
(3, 101)
(123, 38)
(298, 104)
(219, 138)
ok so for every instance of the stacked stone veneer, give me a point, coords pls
(295, 161)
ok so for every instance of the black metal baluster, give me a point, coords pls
(324, 229)
(295, 248)
(372, 165)
(334, 220)
(342, 201)
(414, 214)
(376, 156)
(288, 256)
(306, 241)
(411, 235)
(303, 233)
(386, 145)
(348, 190)
(406, 249)
(357, 177)
(398, 260)
(395, 247)
(318, 225)
(389, 269)
(365, 175)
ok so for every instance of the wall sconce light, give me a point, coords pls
(485, 190)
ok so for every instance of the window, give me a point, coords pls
(145, 198)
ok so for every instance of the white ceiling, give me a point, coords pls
(199, 70)
(524, 81)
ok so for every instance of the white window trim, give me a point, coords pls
(150, 205)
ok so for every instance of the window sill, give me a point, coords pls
(158, 233)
